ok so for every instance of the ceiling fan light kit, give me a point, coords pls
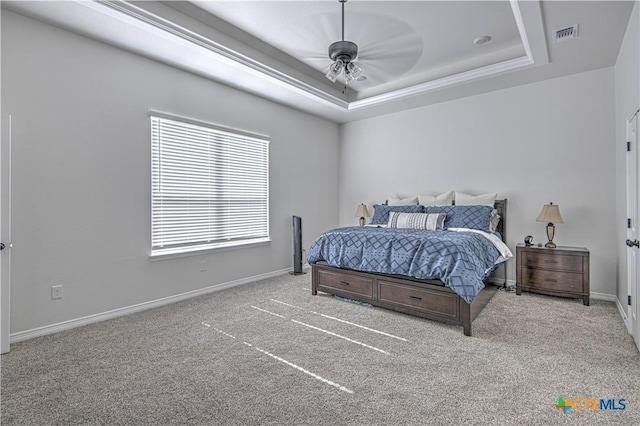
(354, 70)
(335, 69)
(344, 54)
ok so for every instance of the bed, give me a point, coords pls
(436, 273)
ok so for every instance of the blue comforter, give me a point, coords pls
(461, 260)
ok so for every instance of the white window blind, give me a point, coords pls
(210, 186)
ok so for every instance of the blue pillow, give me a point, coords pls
(472, 217)
(381, 212)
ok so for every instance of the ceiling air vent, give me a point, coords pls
(565, 33)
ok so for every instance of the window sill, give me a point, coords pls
(173, 253)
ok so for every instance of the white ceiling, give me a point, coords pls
(413, 53)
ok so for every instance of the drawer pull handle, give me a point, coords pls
(416, 297)
(551, 261)
(344, 283)
(551, 280)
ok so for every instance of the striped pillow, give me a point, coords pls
(427, 221)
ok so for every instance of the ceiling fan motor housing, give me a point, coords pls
(346, 51)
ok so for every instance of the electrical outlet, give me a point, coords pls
(203, 266)
(56, 292)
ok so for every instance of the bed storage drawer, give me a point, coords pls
(425, 298)
(417, 299)
(345, 283)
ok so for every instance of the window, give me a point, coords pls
(209, 186)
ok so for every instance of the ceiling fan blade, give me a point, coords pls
(395, 63)
(309, 55)
(314, 35)
(394, 46)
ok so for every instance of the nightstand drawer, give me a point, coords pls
(553, 280)
(555, 262)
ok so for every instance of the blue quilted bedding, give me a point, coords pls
(461, 260)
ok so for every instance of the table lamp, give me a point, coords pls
(362, 212)
(551, 214)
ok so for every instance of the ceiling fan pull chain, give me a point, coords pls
(344, 91)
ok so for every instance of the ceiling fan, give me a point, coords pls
(387, 46)
(343, 54)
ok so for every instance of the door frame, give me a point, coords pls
(632, 232)
(5, 232)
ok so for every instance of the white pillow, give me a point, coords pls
(445, 199)
(463, 199)
(393, 201)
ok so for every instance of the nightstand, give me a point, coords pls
(562, 271)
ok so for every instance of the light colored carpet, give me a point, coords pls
(270, 353)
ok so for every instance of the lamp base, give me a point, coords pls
(551, 231)
(362, 221)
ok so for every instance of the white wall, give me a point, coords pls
(548, 141)
(627, 79)
(81, 174)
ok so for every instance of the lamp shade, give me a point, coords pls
(362, 211)
(550, 213)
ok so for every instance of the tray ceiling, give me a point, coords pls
(412, 53)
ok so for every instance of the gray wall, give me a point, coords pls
(627, 74)
(81, 174)
(548, 141)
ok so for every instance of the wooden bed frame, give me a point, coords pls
(429, 299)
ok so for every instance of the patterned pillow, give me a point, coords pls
(472, 217)
(430, 222)
(381, 212)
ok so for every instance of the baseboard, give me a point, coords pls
(603, 296)
(90, 319)
(623, 314)
(592, 295)
(500, 282)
